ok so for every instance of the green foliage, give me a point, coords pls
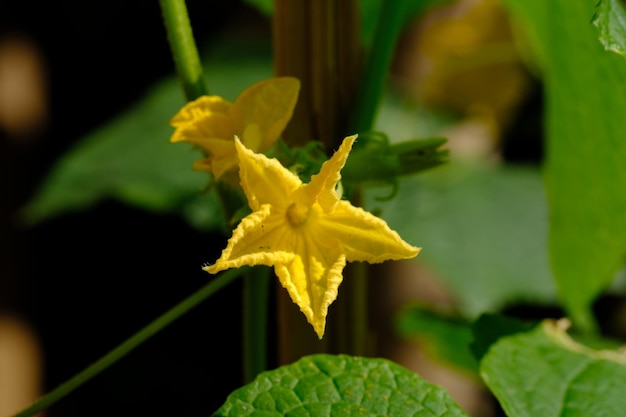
(130, 159)
(544, 373)
(339, 385)
(483, 230)
(442, 336)
(610, 21)
(375, 161)
(585, 176)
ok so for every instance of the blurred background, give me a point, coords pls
(75, 285)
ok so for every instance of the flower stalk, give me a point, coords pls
(131, 343)
(376, 68)
(318, 43)
(183, 46)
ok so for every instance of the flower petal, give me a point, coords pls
(205, 117)
(269, 104)
(252, 243)
(265, 180)
(312, 280)
(363, 236)
(222, 156)
(198, 107)
(322, 185)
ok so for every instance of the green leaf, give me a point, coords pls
(131, 159)
(483, 231)
(441, 336)
(545, 373)
(339, 385)
(610, 21)
(585, 175)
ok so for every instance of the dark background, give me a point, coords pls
(87, 281)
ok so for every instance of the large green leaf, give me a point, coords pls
(610, 20)
(545, 373)
(131, 159)
(339, 385)
(586, 149)
(482, 229)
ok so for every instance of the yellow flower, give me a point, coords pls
(258, 117)
(305, 231)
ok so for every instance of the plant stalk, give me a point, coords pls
(183, 46)
(318, 42)
(131, 343)
(374, 76)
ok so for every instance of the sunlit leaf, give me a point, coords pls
(585, 175)
(340, 385)
(545, 373)
(610, 20)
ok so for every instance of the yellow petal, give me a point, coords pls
(305, 231)
(265, 180)
(205, 117)
(269, 104)
(252, 137)
(216, 147)
(312, 283)
(322, 186)
(251, 244)
(363, 236)
(222, 156)
(201, 106)
(209, 127)
(203, 164)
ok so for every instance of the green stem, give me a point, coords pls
(184, 49)
(255, 307)
(375, 73)
(126, 347)
(189, 72)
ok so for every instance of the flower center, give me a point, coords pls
(297, 214)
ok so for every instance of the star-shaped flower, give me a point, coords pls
(258, 117)
(305, 231)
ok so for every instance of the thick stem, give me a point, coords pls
(317, 42)
(126, 347)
